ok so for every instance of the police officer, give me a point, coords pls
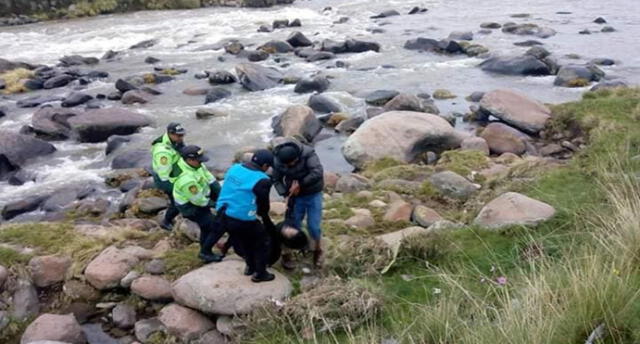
(195, 191)
(244, 197)
(165, 152)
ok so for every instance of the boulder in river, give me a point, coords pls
(408, 134)
(144, 44)
(511, 209)
(234, 293)
(380, 97)
(578, 75)
(333, 46)
(22, 206)
(124, 86)
(276, 47)
(323, 104)
(502, 138)
(58, 81)
(137, 158)
(36, 101)
(75, 99)
(298, 39)
(528, 29)
(409, 102)
(518, 65)
(445, 46)
(255, 77)
(77, 60)
(356, 46)
(16, 149)
(297, 120)
(135, 97)
(386, 14)
(317, 84)
(215, 94)
(516, 109)
(221, 77)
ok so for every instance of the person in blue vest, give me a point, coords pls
(245, 197)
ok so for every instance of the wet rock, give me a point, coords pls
(416, 10)
(356, 46)
(297, 120)
(298, 39)
(265, 28)
(528, 29)
(527, 43)
(443, 94)
(150, 90)
(318, 84)
(280, 24)
(234, 48)
(25, 205)
(398, 211)
(75, 99)
(380, 97)
(349, 125)
(476, 96)
(151, 60)
(425, 216)
(609, 85)
(109, 267)
(476, 144)
(516, 109)
(519, 65)
(600, 20)
(257, 55)
(36, 101)
(58, 81)
(254, 77)
(453, 185)
(124, 316)
(115, 96)
(209, 113)
(193, 91)
(146, 328)
(96, 335)
(184, 323)
(603, 61)
(99, 124)
(221, 78)
(319, 56)
(25, 301)
(135, 97)
(323, 104)
(445, 46)
(48, 270)
(490, 25)
(333, 46)
(295, 23)
(234, 294)
(53, 327)
(144, 44)
(124, 86)
(538, 52)
(279, 47)
(408, 102)
(419, 132)
(152, 288)
(215, 94)
(386, 14)
(502, 138)
(137, 158)
(511, 209)
(608, 29)
(77, 60)
(461, 35)
(577, 75)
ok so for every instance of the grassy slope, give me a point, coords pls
(564, 277)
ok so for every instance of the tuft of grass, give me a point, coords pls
(10, 257)
(404, 172)
(357, 256)
(181, 260)
(13, 80)
(579, 82)
(376, 166)
(463, 162)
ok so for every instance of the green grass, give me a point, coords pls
(182, 260)
(463, 162)
(9, 257)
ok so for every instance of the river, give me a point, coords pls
(181, 33)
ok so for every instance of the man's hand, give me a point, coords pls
(294, 190)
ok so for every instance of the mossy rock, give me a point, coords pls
(443, 94)
(579, 82)
(463, 162)
(14, 80)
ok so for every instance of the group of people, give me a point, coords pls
(242, 202)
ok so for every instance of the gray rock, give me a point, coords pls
(273, 47)
(298, 39)
(155, 267)
(147, 327)
(135, 97)
(116, 141)
(609, 85)
(152, 205)
(519, 65)
(25, 301)
(17, 149)
(323, 104)
(461, 35)
(297, 120)
(608, 29)
(139, 158)
(409, 102)
(36, 101)
(386, 14)
(476, 96)
(60, 199)
(95, 335)
(58, 81)
(511, 209)
(502, 138)
(144, 44)
(453, 185)
(75, 99)
(124, 86)
(49, 270)
(570, 73)
(254, 77)
(380, 97)
(319, 56)
(25, 205)
(603, 61)
(215, 94)
(127, 280)
(221, 78)
(490, 25)
(350, 183)
(350, 125)
(516, 109)
(124, 316)
(52, 327)
(318, 84)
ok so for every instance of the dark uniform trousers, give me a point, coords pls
(167, 188)
(211, 229)
(249, 239)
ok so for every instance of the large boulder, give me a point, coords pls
(109, 267)
(16, 149)
(273, 47)
(502, 138)
(184, 323)
(215, 94)
(298, 39)
(323, 104)
(53, 327)
(512, 209)
(49, 270)
(135, 158)
(516, 109)
(518, 65)
(453, 185)
(406, 135)
(578, 75)
(318, 84)
(445, 46)
(223, 289)
(21, 206)
(297, 120)
(95, 125)
(255, 77)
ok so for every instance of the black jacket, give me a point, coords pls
(307, 171)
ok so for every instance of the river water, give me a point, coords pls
(181, 33)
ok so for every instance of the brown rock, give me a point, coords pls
(330, 180)
(184, 323)
(425, 216)
(109, 267)
(152, 288)
(48, 270)
(516, 109)
(513, 208)
(360, 221)
(398, 211)
(53, 327)
(475, 143)
(502, 138)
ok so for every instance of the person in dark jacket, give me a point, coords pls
(244, 197)
(298, 174)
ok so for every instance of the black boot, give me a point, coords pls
(166, 225)
(210, 258)
(248, 271)
(264, 277)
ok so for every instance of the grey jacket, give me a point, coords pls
(307, 171)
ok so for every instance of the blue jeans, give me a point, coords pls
(311, 206)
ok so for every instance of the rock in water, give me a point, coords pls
(513, 208)
(577, 75)
(222, 78)
(19, 148)
(318, 84)
(257, 78)
(135, 97)
(502, 138)
(380, 97)
(97, 125)
(184, 323)
(216, 94)
(53, 327)
(297, 120)
(75, 99)
(519, 65)
(516, 109)
(407, 135)
(298, 39)
(223, 289)
(323, 104)
(453, 185)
